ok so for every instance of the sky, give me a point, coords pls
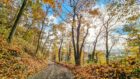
(100, 4)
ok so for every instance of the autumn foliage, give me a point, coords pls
(15, 63)
(100, 40)
(113, 70)
(50, 2)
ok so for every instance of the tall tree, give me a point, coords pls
(60, 49)
(133, 40)
(95, 44)
(43, 19)
(13, 30)
(111, 20)
(78, 6)
(39, 38)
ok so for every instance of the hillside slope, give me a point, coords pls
(17, 63)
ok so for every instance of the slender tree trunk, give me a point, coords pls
(107, 48)
(83, 58)
(13, 30)
(96, 61)
(82, 45)
(69, 54)
(73, 40)
(59, 52)
(42, 50)
(93, 52)
(39, 37)
(77, 45)
(48, 50)
(95, 43)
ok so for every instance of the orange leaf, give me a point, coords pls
(50, 2)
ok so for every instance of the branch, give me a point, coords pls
(84, 40)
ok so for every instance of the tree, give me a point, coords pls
(95, 43)
(111, 20)
(37, 15)
(39, 38)
(13, 30)
(77, 8)
(60, 48)
(94, 15)
(109, 25)
(46, 41)
(78, 48)
(43, 18)
(133, 40)
(61, 36)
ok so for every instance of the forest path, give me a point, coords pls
(53, 71)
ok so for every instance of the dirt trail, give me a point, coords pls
(53, 71)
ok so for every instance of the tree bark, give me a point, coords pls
(73, 40)
(51, 42)
(77, 61)
(13, 30)
(39, 37)
(59, 52)
(96, 61)
(42, 50)
(93, 52)
(47, 8)
(107, 48)
(69, 53)
(77, 42)
(95, 43)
